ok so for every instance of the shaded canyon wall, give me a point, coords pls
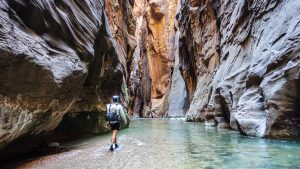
(241, 62)
(60, 59)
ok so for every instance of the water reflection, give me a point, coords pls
(211, 147)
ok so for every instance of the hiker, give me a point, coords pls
(114, 116)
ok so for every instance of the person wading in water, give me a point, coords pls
(114, 115)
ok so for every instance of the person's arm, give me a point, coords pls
(123, 115)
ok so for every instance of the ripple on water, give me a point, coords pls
(174, 144)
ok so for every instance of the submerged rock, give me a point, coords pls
(54, 145)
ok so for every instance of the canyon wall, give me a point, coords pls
(228, 63)
(60, 59)
(151, 69)
(240, 61)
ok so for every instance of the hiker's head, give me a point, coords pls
(116, 99)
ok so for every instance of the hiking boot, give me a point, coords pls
(111, 148)
(116, 146)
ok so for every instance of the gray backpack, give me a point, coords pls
(113, 115)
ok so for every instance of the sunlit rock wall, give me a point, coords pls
(153, 58)
(58, 57)
(240, 61)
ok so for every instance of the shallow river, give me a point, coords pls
(172, 144)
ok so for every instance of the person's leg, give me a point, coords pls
(114, 136)
(117, 130)
(112, 126)
(113, 140)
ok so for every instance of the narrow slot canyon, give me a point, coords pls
(188, 72)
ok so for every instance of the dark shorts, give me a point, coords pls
(115, 126)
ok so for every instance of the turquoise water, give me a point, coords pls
(174, 144)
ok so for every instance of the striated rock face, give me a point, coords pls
(228, 63)
(60, 57)
(199, 54)
(153, 57)
(240, 61)
(178, 99)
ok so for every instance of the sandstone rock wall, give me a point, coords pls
(240, 61)
(60, 57)
(154, 57)
(178, 99)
